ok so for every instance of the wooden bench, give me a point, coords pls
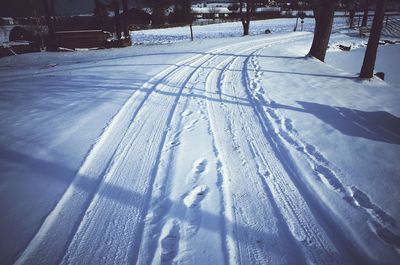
(364, 31)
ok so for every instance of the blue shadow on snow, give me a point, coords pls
(379, 126)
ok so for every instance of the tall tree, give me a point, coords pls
(158, 8)
(352, 11)
(100, 14)
(367, 69)
(117, 19)
(245, 16)
(182, 11)
(125, 19)
(48, 16)
(323, 13)
(246, 11)
(365, 15)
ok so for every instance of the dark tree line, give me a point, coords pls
(182, 11)
(323, 13)
(100, 13)
(355, 5)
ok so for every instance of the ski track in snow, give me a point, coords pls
(303, 232)
(105, 185)
(105, 157)
(382, 223)
(162, 209)
(284, 135)
(202, 180)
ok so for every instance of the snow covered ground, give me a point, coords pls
(221, 151)
(223, 30)
(387, 59)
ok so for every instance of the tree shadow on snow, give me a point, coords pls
(50, 179)
(379, 126)
(138, 205)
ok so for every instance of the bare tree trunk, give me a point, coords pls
(352, 13)
(246, 17)
(246, 27)
(125, 19)
(367, 69)
(323, 12)
(191, 31)
(297, 22)
(365, 16)
(48, 18)
(242, 17)
(53, 14)
(117, 19)
(98, 13)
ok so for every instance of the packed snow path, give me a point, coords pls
(195, 169)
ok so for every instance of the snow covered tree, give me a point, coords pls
(367, 69)
(323, 13)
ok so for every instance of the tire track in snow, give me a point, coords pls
(312, 238)
(48, 245)
(381, 223)
(60, 225)
(162, 207)
(305, 228)
(134, 172)
(112, 175)
(256, 254)
(109, 189)
(248, 242)
(182, 206)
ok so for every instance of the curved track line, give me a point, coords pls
(283, 132)
(82, 189)
(301, 228)
(253, 253)
(49, 243)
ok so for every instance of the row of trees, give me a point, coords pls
(101, 14)
(182, 10)
(324, 14)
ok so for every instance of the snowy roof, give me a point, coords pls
(207, 10)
